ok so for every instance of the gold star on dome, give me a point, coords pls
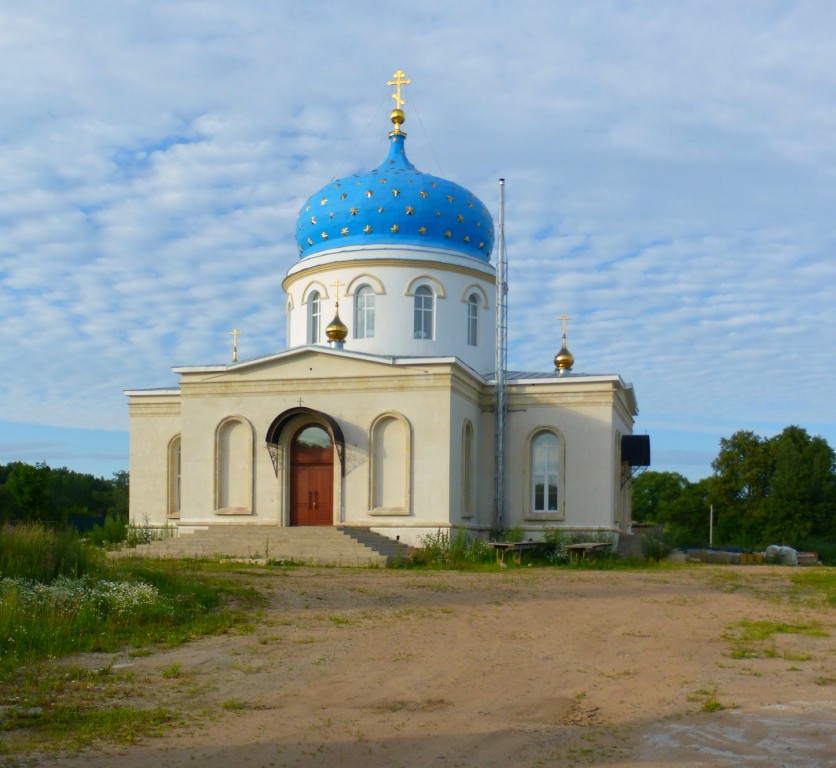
(438, 213)
(310, 242)
(369, 193)
(449, 198)
(337, 186)
(409, 210)
(395, 192)
(313, 219)
(484, 212)
(353, 211)
(331, 215)
(343, 195)
(307, 207)
(323, 201)
(380, 210)
(460, 218)
(382, 181)
(433, 184)
(423, 194)
(367, 229)
(344, 231)
(481, 245)
(422, 230)
(478, 223)
(324, 235)
(448, 234)
(467, 238)
(469, 203)
(395, 229)
(490, 232)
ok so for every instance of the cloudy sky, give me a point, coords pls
(671, 185)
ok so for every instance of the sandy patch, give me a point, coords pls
(525, 668)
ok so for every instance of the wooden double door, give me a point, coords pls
(311, 477)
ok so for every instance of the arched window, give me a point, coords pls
(364, 313)
(472, 319)
(545, 472)
(467, 470)
(314, 317)
(423, 323)
(174, 477)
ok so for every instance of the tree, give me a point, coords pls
(801, 492)
(774, 490)
(654, 493)
(672, 500)
(29, 488)
(740, 486)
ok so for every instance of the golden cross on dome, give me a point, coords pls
(336, 284)
(400, 79)
(564, 318)
(234, 333)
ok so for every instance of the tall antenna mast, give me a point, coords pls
(501, 360)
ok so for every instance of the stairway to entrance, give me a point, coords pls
(315, 545)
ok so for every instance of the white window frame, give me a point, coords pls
(364, 312)
(556, 469)
(423, 313)
(314, 317)
(472, 320)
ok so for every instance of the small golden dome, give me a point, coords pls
(397, 117)
(564, 360)
(337, 329)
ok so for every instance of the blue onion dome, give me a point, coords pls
(395, 204)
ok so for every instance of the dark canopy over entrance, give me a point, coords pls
(283, 419)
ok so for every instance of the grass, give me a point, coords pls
(35, 552)
(710, 702)
(815, 584)
(748, 638)
(58, 596)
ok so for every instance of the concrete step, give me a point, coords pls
(315, 545)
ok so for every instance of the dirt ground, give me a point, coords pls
(524, 667)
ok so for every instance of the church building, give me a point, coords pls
(381, 412)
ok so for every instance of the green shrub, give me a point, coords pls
(655, 547)
(114, 531)
(440, 550)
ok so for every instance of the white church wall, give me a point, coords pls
(359, 394)
(581, 416)
(155, 422)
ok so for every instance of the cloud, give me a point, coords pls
(670, 186)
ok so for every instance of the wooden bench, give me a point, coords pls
(587, 548)
(518, 547)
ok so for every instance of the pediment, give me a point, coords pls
(306, 363)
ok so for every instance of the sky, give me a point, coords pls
(671, 186)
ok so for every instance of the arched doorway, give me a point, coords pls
(311, 476)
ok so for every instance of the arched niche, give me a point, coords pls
(390, 465)
(234, 466)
